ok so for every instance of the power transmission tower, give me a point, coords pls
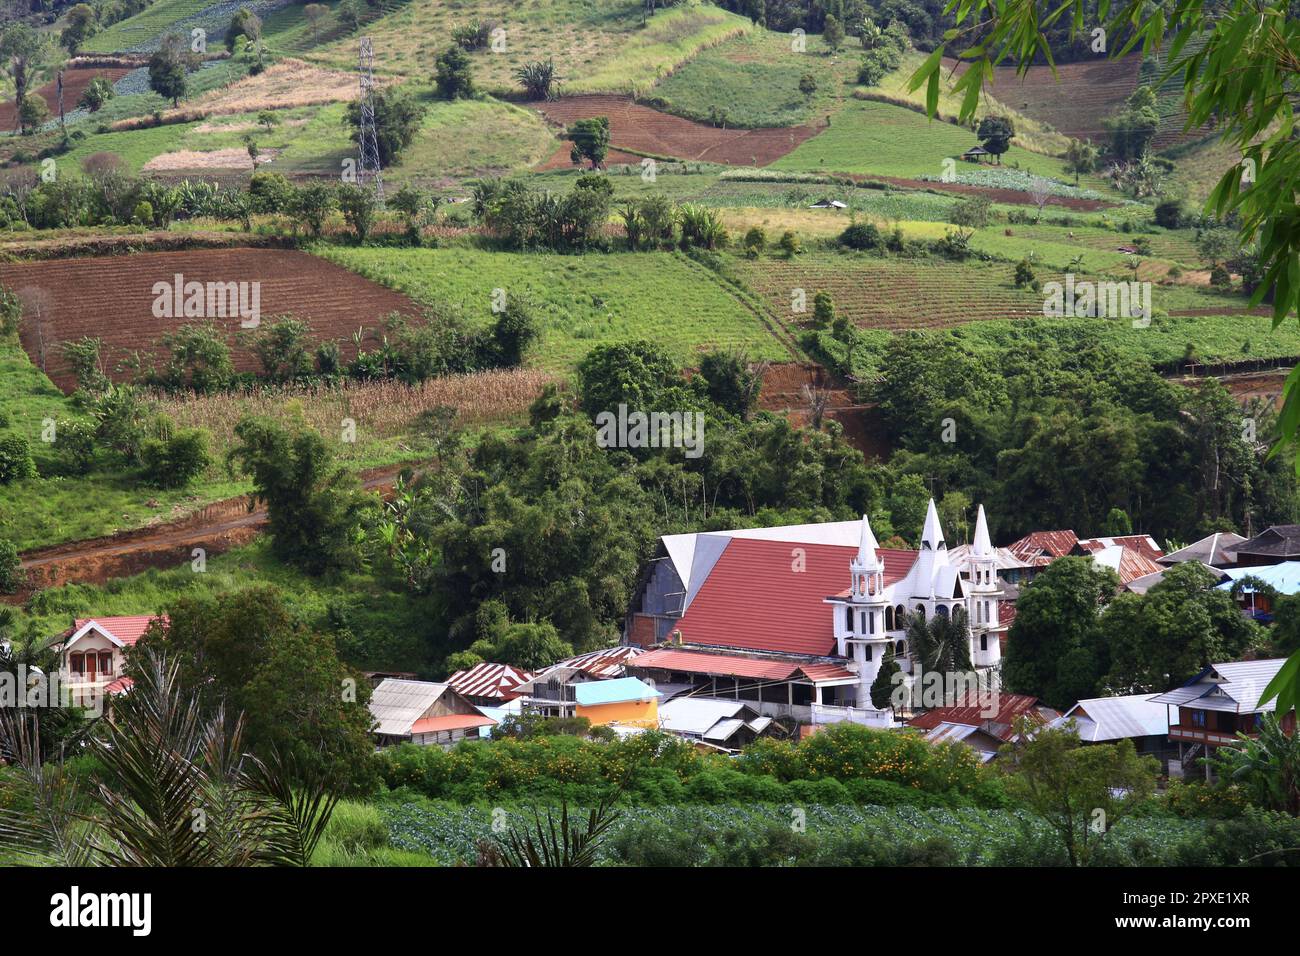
(369, 171)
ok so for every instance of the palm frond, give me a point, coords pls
(297, 806)
(40, 824)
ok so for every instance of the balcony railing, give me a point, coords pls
(1216, 738)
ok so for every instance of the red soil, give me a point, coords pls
(75, 82)
(112, 298)
(644, 130)
(783, 391)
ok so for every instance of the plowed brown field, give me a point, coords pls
(112, 298)
(644, 130)
(75, 82)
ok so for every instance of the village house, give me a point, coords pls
(714, 724)
(1279, 543)
(1217, 705)
(982, 722)
(1256, 601)
(1131, 556)
(92, 657)
(425, 713)
(1218, 550)
(1135, 717)
(624, 700)
(552, 691)
(489, 685)
(764, 615)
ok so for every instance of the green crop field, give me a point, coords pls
(149, 23)
(867, 136)
(474, 138)
(753, 81)
(583, 300)
(597, 45)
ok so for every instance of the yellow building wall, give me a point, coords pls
(642, 713)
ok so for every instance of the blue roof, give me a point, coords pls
(1285, 576)
(619, 691)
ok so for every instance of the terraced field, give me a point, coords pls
(892, 293)
(640, 129)
(112, 298)
(584, 301)
(1077, 99)
(75, 82)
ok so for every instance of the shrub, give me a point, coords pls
(271, 193)
(789, 244)
(75, 438)
(861, 235)
(11, 572)
(15, 459)
(823, 309)
(176, 461)
(1169, 213)
(1024, 274)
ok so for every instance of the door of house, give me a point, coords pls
(92, 665)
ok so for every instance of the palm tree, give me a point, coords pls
(1269, 765)
(554, 842)
(174, 789)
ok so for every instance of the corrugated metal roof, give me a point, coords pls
(607, 662)
(995, 719)
(1285, 576)
(721, 665)
(1279, 541)
(1233, 687)
(397, 704)
(1217, 548)
(495, 681)
(1040, 547)
(1144, 544)
(695, 715)
(619, 691)
(430, 725)
(1114, 718)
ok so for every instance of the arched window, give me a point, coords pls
(920, 611)
(900, 616)
(889, 619)
(900, 648)
(77, 663)
(941, 610)
(848, 619)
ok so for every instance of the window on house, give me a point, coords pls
(868, 657)
(871, 622)
(848, 619)
(77, 663)
(984, 642)
(1198, 718)
(106, 663)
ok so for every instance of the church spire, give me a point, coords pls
(982, 546)
(867, 546)
(932, 534)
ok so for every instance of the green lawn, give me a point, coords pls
(584, 300)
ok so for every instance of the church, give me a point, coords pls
(798, 619)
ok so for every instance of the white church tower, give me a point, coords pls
(983, 590)
(860, 619)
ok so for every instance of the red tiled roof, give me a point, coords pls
(1009, 707)
(128, 630)
(120, 686)
(755, 598)
(429, 725)
(1039, 545)
(496, 681)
